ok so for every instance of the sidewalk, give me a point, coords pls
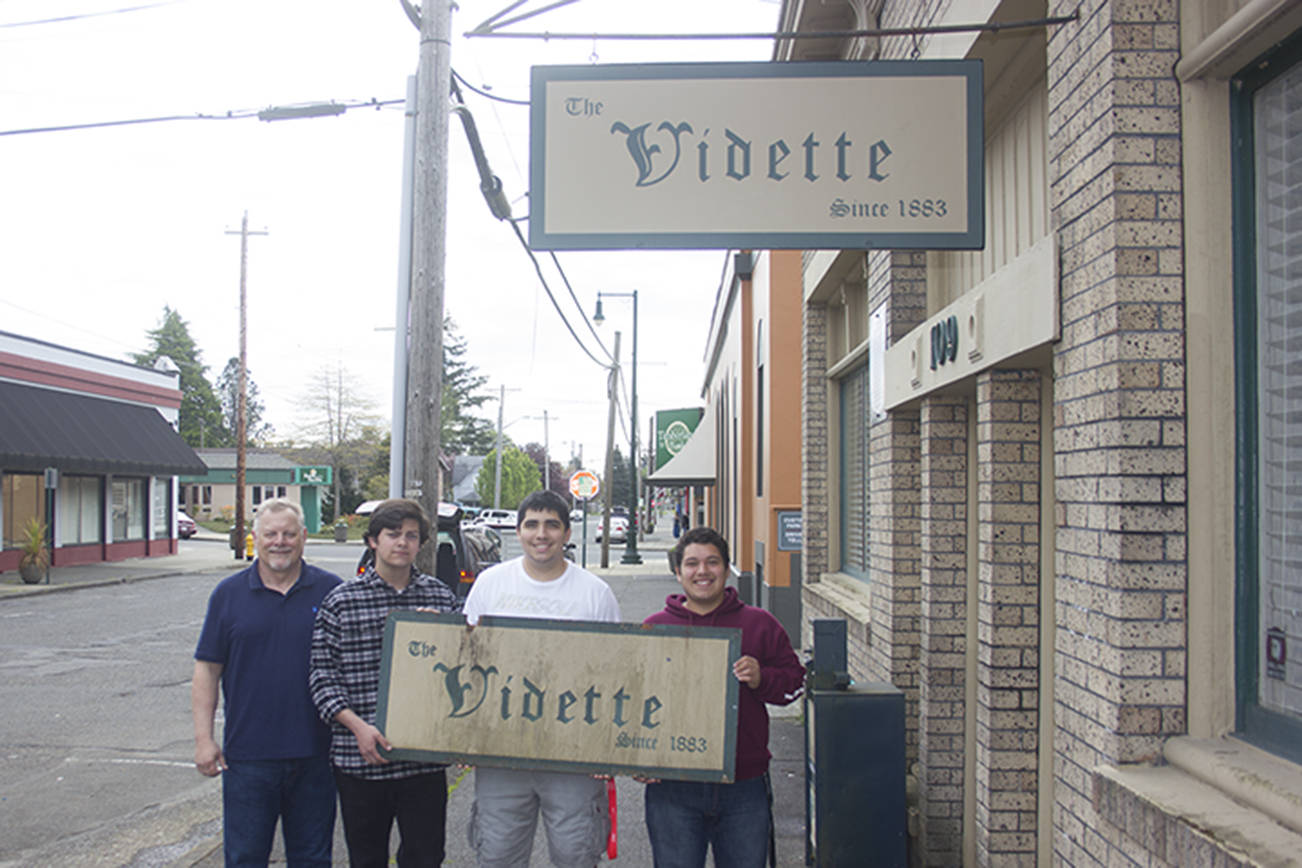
(195, 555)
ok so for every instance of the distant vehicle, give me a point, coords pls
(367, 507)
(464, 550)
(576, 517)
(185, 526)
(618, 529)
(498, 518)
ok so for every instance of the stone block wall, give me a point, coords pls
(1119, 403)
(943, 630)
(1008, 616)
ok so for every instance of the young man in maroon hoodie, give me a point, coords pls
(734, 820)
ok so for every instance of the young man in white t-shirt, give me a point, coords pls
(539, 584)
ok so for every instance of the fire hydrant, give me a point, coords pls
(248, 546)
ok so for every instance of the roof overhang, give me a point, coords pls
(76, 433)
(694, 463)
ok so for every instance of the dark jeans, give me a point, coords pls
(419, 803)
(683, 818)
(255, 793)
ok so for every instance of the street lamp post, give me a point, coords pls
(631, 555)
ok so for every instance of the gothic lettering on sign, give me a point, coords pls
(728, 155)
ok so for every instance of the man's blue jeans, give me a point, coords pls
(300, 792)
(684, 817)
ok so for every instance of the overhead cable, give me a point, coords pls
(538, 268)
(62, 18)
(494, 30)
(271, 113)
(486, 94)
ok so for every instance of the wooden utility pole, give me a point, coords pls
(607, 480)
(241, 401)
(429, 234)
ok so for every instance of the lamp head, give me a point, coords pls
(598, 317)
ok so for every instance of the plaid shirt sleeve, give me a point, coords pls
(325, 681)
(347, 649)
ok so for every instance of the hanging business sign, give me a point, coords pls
(834, 155)
(673, 429)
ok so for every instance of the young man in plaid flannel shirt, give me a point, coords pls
(345, 678)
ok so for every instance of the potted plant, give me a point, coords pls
(34, 559)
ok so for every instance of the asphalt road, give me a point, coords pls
(96, 741)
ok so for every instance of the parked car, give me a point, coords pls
(618, 529)
(185, 526)
(498, 518)
(464, 551)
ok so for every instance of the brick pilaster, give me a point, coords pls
(942, 665)
(1119, 401)
(1008, 616)
(814, 446)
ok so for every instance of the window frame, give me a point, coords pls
(855, 377)
(1278, 733)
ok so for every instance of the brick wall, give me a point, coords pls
(813, 451)
(943, 629)
(1114, 141)
(1008, 616)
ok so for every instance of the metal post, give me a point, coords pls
(631, 555)
(497, 462)
(606, 479)
(402, 311)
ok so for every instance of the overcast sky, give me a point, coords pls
(100, 228)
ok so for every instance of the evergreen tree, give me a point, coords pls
(462, 433)
(200, 418)
(256, 431)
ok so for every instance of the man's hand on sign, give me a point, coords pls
(645, 780)
(369, 742)
(747, 670)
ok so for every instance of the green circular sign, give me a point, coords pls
(676, 436)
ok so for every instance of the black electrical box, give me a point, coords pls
(855, 810)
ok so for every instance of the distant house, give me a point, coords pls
(465, 470)
(267, 474)
(88, 444)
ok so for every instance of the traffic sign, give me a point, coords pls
(584, 484)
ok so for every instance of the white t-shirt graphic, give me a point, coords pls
(506, 589)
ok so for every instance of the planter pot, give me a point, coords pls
(31, 573)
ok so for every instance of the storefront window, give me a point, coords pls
(162, 508)
(129, 507)
(22, 498)
(81, 515)
(1268, 228)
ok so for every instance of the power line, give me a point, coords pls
(271, 113)
(547, 288)
(79, 16)
(486, 94)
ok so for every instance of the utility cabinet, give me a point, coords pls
(855, 810)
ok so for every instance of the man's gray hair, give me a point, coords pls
(279, 504)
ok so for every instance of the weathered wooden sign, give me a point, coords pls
(574, 696)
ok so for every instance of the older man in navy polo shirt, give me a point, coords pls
(255, 643)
